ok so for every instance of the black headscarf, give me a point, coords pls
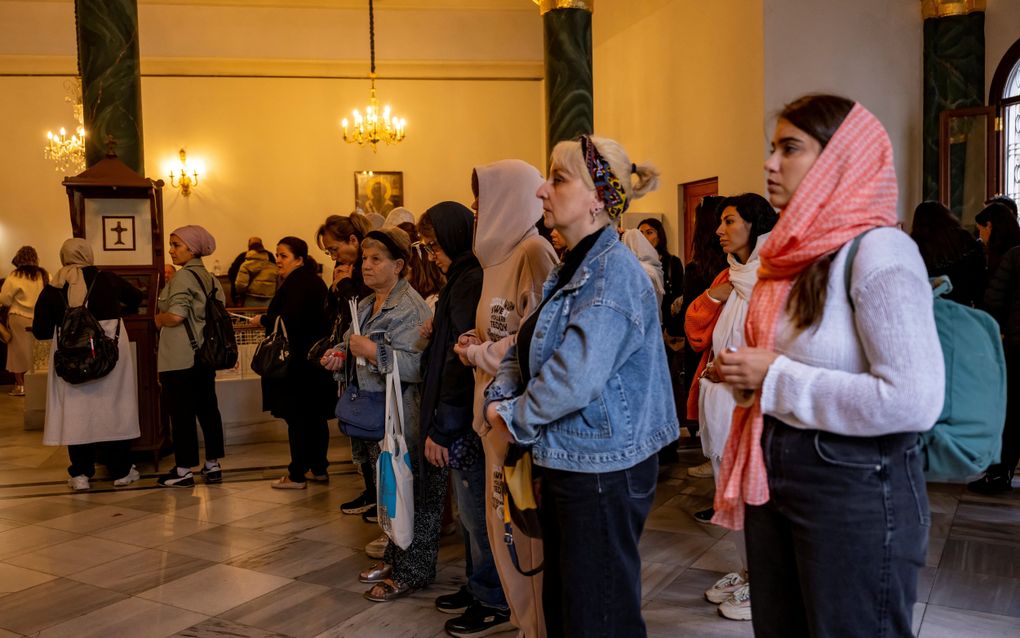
(448, 391)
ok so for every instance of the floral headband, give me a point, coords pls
(608, 186)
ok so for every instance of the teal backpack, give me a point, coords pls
(967, 437)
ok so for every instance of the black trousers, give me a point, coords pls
(308, 436)
(188, 395)
(1011, 431)
(115, 455)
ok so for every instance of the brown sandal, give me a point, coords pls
(387, 590)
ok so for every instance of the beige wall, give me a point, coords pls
(679, 84)
(471, 92)
(867, 50)
(1002, 29)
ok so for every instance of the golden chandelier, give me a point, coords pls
(376, 125)
(68, 153)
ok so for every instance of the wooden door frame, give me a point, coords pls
(685, 230)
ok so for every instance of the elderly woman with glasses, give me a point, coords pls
(587, 387)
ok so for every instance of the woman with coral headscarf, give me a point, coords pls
(825, 464)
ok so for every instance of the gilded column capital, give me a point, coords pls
(545, 6)
(946, 8)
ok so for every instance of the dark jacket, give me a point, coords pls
(110, 297)
(338, 310)
(308, 389)
(967, 274)
(673, 282)
(447, 399)
(1002, 298)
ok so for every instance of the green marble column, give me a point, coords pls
(568, 83)
(111, 80)
(954, 77)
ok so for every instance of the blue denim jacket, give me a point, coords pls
(600, 398)
(396, 329)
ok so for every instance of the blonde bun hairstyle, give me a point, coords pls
(637, 179)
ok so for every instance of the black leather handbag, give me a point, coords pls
(272, 356)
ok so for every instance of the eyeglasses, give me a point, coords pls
(430, 247)
(332, 251)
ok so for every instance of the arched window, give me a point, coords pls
(1004, 95)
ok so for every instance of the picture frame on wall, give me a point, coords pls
(378, 191)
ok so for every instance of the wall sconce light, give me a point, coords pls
(185, 174)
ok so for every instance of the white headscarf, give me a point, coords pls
(75, 254)
(649, 258)
(399, 216)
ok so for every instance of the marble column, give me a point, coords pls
(111, 80)
(568, 78)
(953, 70)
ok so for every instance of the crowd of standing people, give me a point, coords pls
(808, 368)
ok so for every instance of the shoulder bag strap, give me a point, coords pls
(855, 244)
(393, 390)
(187, 321)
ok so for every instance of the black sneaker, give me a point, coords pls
(173, 479)
(371, 515)
(362, 504)
(705, 516)
(212, 474)
(479, 620)
(455, 603)
(992, 483)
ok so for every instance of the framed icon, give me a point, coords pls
(378, 191)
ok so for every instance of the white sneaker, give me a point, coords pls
(701, 471)
(377, 548)
(724, 587)
(78, 483)
(130, 478)
(737, 606)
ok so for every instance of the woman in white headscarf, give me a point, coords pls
(638, 244)
(715, 322)
(98, 416)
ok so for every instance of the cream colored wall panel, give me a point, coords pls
(869, 51)
(275, 162)
(679, 84)
(287, 32)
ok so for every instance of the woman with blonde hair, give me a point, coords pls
(587, 387)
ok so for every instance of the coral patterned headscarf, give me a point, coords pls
(850, 188)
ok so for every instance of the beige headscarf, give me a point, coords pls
(75, 254)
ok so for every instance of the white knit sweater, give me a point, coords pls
(875, 371)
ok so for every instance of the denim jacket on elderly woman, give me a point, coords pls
(600, 398)
(396, 330)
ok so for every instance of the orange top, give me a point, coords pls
(702, 315)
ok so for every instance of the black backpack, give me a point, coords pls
(219, 346)
(83, 351)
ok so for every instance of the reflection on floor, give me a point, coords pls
(241, 559)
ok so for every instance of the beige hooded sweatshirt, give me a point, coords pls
(515, 259)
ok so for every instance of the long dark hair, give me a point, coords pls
(1005, 230)
(299, 248)
(707, 256)
(425, 277)
(661, 246)
(940, 238)
(820, 116)
(26, 265)
(756, 211)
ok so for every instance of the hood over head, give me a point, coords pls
(453, 223)
(508, 208)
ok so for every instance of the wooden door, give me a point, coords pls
(690, 196)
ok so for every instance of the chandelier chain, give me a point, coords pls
(371, 35)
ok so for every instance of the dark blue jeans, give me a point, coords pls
(836, 550)
(591, 524)
(483, 579)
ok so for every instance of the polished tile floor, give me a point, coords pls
(241, 559)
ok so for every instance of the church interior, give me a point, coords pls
(243, 101)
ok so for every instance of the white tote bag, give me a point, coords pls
(395, 482)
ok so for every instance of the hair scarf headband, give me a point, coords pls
(608, 186)
(850, 188)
